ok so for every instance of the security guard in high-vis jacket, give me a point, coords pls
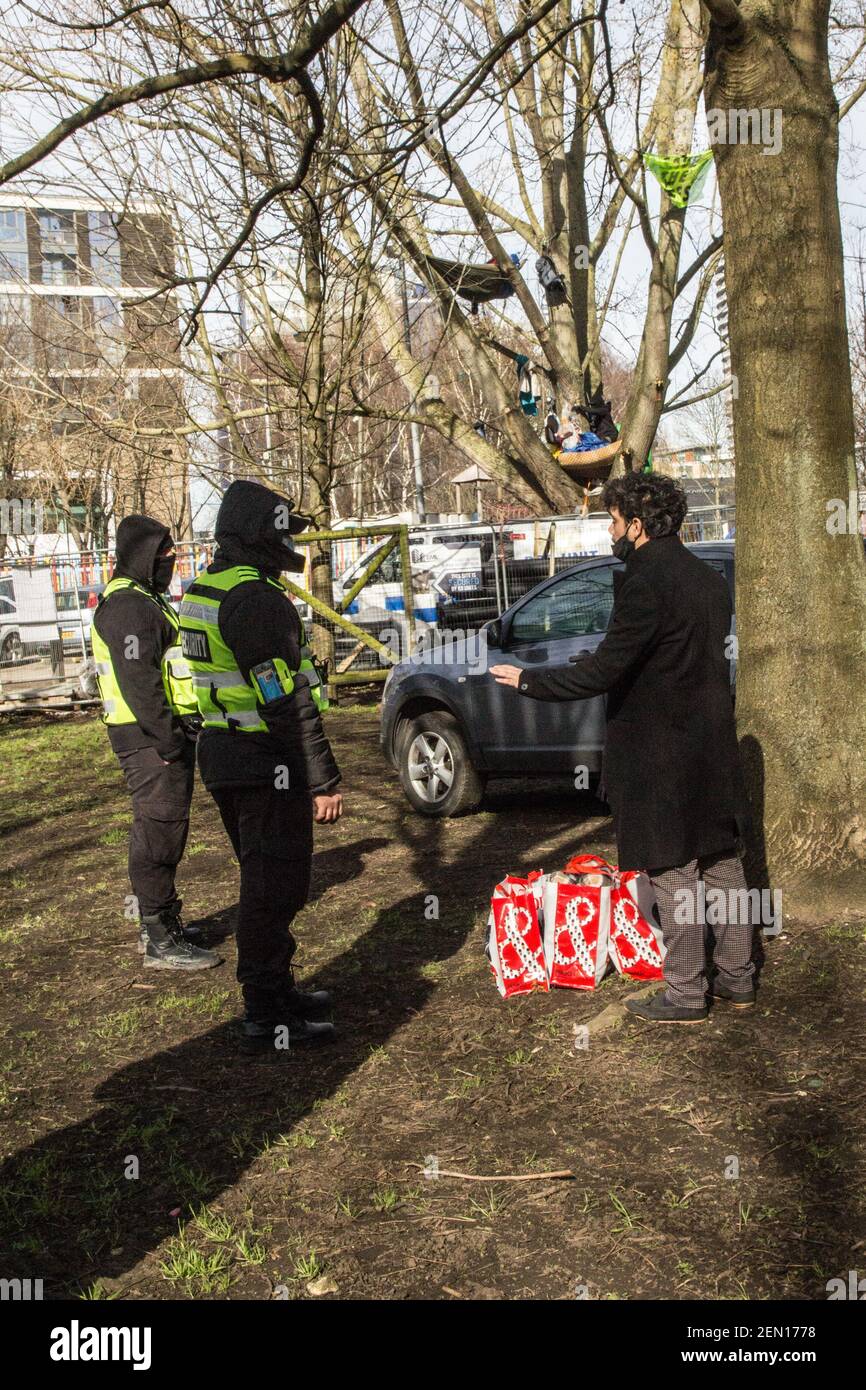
(149, 708)
(262, 750)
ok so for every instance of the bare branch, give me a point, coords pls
(281, 67)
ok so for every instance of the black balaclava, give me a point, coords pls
(162, 572)
(137, 545)
(254, 526)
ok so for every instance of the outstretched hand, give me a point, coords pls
(506, 675)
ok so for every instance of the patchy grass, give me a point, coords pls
(719, 1165)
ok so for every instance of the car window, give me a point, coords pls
(390, 569)
(351, 575)
(575, 606)
(7, 607)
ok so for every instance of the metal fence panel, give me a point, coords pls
(455, 577)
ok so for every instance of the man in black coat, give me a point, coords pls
(270, 783)
(671, 762)
(154, 744)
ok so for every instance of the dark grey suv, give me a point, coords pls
(447, 725)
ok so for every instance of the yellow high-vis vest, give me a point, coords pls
(176, 675)
(226, 699)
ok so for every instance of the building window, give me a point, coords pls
(58, 246)
(56, 226)
(104, 248)
(59, 269)
(12, 227)
(13, 265)
(59, 331)
(13, 246)
(108, 329)
(14, 311)
(16, 340)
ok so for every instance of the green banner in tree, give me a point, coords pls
(681, 177)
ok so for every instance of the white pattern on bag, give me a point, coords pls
(574, 925)
(513, 934)
(646, 949)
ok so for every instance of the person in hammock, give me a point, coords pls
(574, 439)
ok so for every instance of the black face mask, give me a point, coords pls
(622, 548)
(162, 572)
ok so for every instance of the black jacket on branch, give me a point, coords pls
(671, 762)
(258, 624)
(126, 614)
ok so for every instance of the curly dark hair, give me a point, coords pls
(660, 502)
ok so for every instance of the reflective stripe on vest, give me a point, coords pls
(176, 677)
(226, 699)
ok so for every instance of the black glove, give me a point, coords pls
(192, 726)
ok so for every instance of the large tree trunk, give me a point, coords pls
(801, 591)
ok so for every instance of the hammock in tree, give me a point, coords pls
(477, 283)
(681, 177)
(589, 465)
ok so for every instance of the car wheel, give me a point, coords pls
(12, 649)
(435, 768)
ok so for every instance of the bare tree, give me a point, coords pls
(547, 84)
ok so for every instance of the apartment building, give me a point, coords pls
(89, 339)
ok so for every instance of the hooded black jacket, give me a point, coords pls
(258, 623)
(126, 614)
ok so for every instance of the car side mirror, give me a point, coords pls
(493, 633)
(496, 631)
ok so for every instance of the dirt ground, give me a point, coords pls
(143, 1157)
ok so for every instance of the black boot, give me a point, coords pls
(307, 1003)
(165, 947)
(194, 935)
(271, 1023)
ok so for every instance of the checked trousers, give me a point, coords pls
(686, 936)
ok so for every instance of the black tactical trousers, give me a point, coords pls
(161, 795)
(272, 835)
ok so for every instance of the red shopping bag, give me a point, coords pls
(514, 946)
(636, 946)
(635, 943)
(576, 928)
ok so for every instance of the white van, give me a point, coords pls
(450, 564)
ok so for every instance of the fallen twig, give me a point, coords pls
(498, 1177)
